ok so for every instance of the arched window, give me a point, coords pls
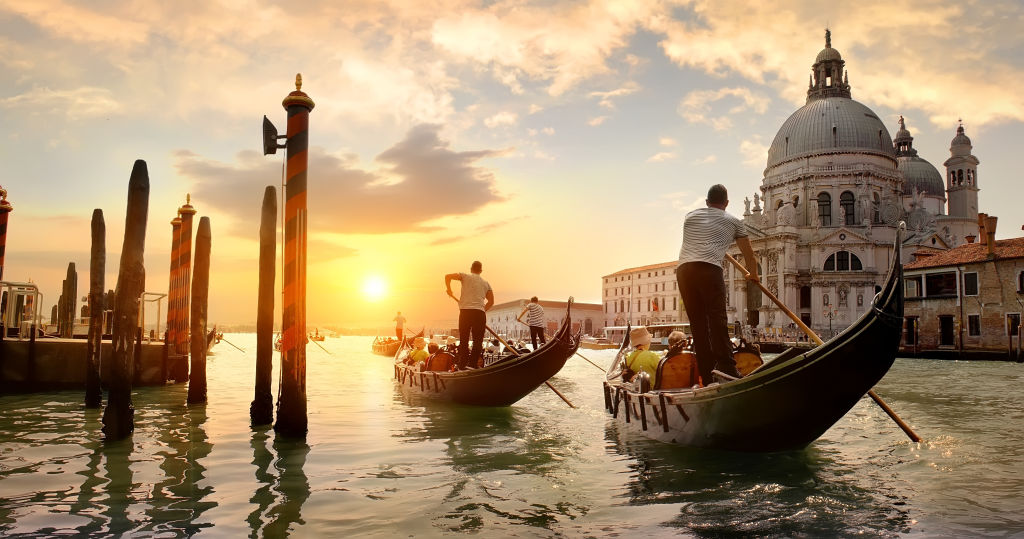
(960, 177)
(876, 214)
(825, 209)
(846, 203)
(842, 261)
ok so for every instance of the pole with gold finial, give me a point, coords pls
(186, 211)
(291, 404)
(174, 369)
(5, 210)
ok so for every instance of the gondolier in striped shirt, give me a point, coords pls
(707, 234)
(535, 319)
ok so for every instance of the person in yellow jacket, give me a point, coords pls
(642, 358)
(417, 353)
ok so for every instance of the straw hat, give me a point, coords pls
(639, 336)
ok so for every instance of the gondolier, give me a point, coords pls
(707, 234)
(475, 299)
(399, 324)
(535, 319)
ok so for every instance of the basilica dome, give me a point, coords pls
(921, 174)
(830, 125)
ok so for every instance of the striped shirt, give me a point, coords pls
(534, 315)
(707, 233)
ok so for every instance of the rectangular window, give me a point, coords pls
(974, 325)
(970, 284)
(910, 330)
(1013, 323)
(940, 284)
(843, 260)
(674, 307)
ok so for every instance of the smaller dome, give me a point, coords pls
(921, 174)
(828, 54)
(960, 139)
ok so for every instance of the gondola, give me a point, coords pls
(385, 346)
(212, 338)
(501, 383)
(785, 404)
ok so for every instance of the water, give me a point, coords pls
(377, 463)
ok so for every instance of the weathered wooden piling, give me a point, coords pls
(175, 369)
(200, 294)
(291, 403)
(5, 210)
(261, 411)
(119, 415)
(69, 303)
(97, 267)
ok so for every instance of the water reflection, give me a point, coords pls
(284, 487)
(793, 493)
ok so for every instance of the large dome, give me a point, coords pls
(921, 174)
(830, 125)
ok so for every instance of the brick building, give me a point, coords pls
(966, 301)
(502, 317)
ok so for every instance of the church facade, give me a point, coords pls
(835, 187)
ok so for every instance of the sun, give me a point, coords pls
(374, 288)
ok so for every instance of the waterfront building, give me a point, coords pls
(502, 317)
(966, 301)
(833, 191)
(643, 295)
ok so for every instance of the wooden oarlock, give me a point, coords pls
(814, 337)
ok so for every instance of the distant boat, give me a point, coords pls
(501, 383)
(316, 336)
(385, 346)
(212, 338)
(786, 403)
(597, 343)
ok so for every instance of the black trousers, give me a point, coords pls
(702, 286)
(472, 323)
(537, 332)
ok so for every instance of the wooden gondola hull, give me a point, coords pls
(500, 384)
(386, 349)
(785, 405)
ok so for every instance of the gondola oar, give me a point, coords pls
(516, 353)
(232, 344)
(321, 347)
(814, 337)
(577, 352)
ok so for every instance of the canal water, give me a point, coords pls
(376, 463)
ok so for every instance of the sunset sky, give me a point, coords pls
(554, 141)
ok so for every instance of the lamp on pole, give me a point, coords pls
(830, 312)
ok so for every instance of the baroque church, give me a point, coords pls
(835, 187)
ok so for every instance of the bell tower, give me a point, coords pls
(962, 177)
(828, 74)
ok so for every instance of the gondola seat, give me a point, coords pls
(677, 371)
(440, 361)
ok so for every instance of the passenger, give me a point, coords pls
(432, 348)
(417, 353)
(493, 348)
(642, 358)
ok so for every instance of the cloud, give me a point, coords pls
(667, 141)
(326, 251)
(696, 106)
(707, 160)
(684, 201)
(501, 118)
(661, 156)
(596, 121)
(75, 104)
(417, 180)
(607, 97)
(477, 232)
(754, 152)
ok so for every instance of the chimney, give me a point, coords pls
(982, 238)
(990, 230)
(971, 237)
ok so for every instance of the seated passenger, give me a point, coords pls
(432, 348)
(679, 368)
(417, 354)
(642, 358)
(493, 348)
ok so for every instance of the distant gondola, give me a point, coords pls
(785, 404)
(385, 347)
(212, 338)
(501, 383)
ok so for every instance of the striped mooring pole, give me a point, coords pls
(5, 210)
(171, 340)
(186, 211)
(291, 404)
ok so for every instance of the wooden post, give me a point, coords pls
(200, 294)
(97, 267)
(291, 404)
(119, 415)
(31, 375)
(71, 301)
(174, 370)
(261, 411)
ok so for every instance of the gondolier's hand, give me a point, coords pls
(450, 294)
(752, 277)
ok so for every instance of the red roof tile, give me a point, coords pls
(969, 253)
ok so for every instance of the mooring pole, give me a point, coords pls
(70, 302)
(291, 404)
(5, 210)
(97, 267)
(200, 294)
(186, 211)
(261, 411)
(171, 340)
(119, 415)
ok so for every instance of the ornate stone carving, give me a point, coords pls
(842, 292)
(773, 262)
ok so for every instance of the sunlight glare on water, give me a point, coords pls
(380, 463)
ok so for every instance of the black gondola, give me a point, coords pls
(386, 346)
(785, 404)
(499, 384)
